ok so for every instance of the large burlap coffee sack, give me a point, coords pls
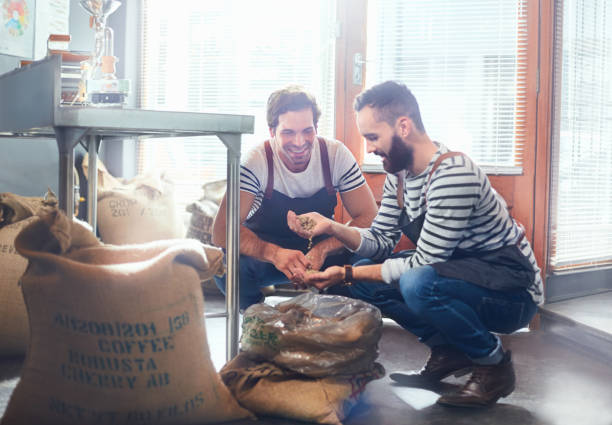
(266, 389)
(117, 332)
(15, 213)
(141, 210)
(203, 213)
(14, 330)
(316, 335)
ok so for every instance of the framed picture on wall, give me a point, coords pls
(17, 21)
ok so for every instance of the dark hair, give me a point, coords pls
(391, 100)
(290, 98)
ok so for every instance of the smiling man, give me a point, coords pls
(293, 171)
(473, 273)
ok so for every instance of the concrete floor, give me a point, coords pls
(594, 311)
(556, 384)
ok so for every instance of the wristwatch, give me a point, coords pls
(348, 275)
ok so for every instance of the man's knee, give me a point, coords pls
(417, 287)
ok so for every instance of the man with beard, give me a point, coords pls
(472, 273)
(294, 170)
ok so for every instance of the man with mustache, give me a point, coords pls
(473, 273)
(294, 170)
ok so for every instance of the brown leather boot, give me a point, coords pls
(443, 361)
(486, 385)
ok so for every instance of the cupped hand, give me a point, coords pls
(329, 277)
(292, 263)
(308, 225)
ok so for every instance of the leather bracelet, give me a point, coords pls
(348, 275)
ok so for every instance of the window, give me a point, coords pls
(581, 181)
(227, 57)
(465, 61)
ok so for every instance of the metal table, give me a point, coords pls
(30, 107)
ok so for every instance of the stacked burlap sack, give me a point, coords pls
(117, 332)
(16, 212)
(308, 358)
(203, 212)
(142, 209)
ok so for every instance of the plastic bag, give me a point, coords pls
(316, 335)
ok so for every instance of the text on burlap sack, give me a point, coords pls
(124, 356)
(80, 414)
(123, 208)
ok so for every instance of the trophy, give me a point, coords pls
(102, 86)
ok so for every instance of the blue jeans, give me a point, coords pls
(440, 310)
(255, 274)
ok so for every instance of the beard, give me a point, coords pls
(400, 156)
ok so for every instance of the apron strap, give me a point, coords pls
(270, 185)
(402, 175)
(437, 164)
(325, 166)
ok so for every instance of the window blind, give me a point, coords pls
(581, 182)
(465, 61)
(228, 57)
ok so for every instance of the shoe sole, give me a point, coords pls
(474, 403)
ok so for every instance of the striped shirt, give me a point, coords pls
(345, 173)
(461, 210)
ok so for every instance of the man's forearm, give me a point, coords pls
(369, 273)
(349, 236)
(255, 247)
(333, 245)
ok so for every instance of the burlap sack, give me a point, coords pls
(117, 332)
(215, 191)
(203, 213)
(106, 180)
(14, 330)
(14, 208)
(141, 210)
(266, 389)
(15, 213)
(316, 335)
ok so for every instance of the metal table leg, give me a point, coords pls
(67, 138)
(232, 142)
(93, 144)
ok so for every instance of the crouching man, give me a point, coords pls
(294, 170)
(473, 273)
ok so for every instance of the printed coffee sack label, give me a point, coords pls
(14, 329)
(117, 337)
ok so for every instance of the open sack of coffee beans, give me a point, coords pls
(117, 333)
